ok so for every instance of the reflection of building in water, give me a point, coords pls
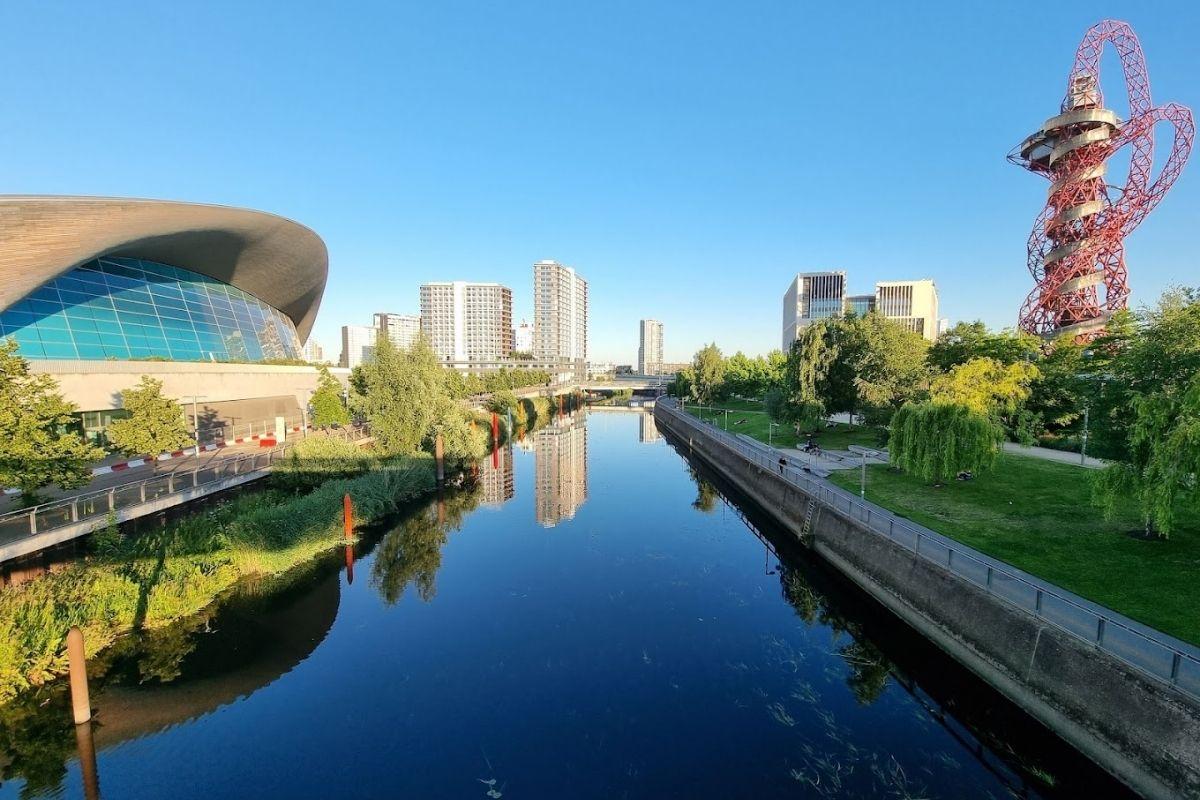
(496, 483)
(560, 451)
(648, 431)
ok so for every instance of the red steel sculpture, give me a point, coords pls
(1076, 250)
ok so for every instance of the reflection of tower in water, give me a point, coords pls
(496, 482)
(560, 454)
(647, 430)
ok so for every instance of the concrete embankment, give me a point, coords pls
(1142, 730)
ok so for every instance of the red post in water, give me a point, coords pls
(348, 515)
(349, 564)
(495, 441)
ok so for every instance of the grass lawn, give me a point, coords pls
(1036, 515)
(749, 417)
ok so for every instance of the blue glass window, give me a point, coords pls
(129, 308)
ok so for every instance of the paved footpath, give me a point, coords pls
(1061, 456)
(121, 477)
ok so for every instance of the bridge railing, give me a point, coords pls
(1150, 651)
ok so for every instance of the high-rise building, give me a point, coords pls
(914, 304)
(495, 481)
(358, 344)
(313, 352)
(467, 321)
(560, 320)
(650, 347)
(648, 429)
(523, 338)
(810, 297)
(401, 329)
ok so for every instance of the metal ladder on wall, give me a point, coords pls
(808, 518)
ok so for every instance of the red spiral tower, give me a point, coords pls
(1076, 250)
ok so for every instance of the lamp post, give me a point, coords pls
(771, 426)
(1083, 445)
(195, 418)
(306, 396)
(864, 452)
(727, 419)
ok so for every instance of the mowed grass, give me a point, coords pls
(749, 417)
(1037, 515)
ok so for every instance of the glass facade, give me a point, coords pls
(126, 308)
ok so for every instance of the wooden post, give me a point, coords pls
(81, 704)
(440, 458)
(495, 441)
(348, 516)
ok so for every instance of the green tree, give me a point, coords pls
(890, 367)
(807, 368)
(708, 371)
(986, 386)
(936, 441)
(155, 423)
(968, 340)
(400, 387)
(38, 445)
(326, 402)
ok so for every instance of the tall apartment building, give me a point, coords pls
(358, 343)
(650, 347)
(313, 352)
(523, 338)
(401, 329)
(914, 304)
(467, 321)
(810, 297)
(560, 320)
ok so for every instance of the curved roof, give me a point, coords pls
(280, 262)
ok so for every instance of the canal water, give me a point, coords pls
(597, 619)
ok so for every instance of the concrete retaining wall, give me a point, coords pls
(1143, 732)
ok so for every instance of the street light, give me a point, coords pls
(864, 452)
(195, 419)
(1083, 446)
(771, 426)
(308, 393)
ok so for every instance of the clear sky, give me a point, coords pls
(687, 158)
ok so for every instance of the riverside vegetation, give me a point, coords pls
(145, 582)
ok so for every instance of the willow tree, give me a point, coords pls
(936, 441)
(1163, 460)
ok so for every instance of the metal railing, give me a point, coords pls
(1150, 651)
(26, 522)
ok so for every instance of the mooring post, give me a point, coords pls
(87, 761)
(440, 458)
(81, 704)
(347, 515)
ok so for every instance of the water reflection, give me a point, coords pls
(647, 429)
(411, 553)
(646, 653)
(561, 469)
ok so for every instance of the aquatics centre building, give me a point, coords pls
(214, 301)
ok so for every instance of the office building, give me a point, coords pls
(820, 295)
(650, 347)
(97, 292)
(811, 296)
(401, 329)
(523, 338)
(358, 344)
(467, 321)
(913, 304)
(560, 324)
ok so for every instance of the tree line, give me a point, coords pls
(1131, 396)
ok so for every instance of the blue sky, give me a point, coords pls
(686, 158)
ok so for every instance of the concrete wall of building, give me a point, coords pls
(1144, 732)
(233, 394)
